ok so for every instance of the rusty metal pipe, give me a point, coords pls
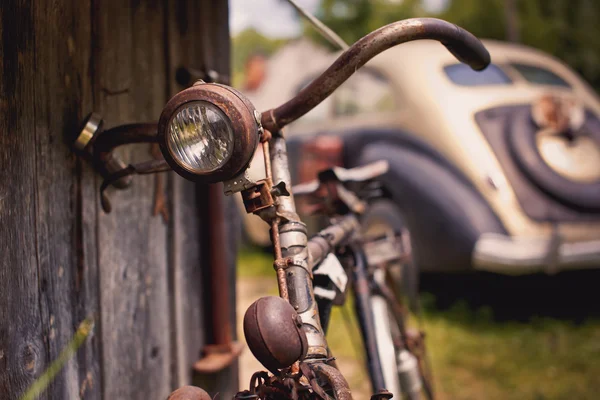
(223, 351)
(292, 243)
(323, 243)
(335, 379)
(104, 157)
(125, 134)
(219, 268)
(462, 44)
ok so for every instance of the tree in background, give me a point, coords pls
(567, 29)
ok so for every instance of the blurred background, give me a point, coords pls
(567, 29)
(490, 335)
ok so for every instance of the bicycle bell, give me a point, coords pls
(273, 332)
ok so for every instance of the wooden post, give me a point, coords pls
(137, 276)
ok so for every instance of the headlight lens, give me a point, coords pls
(208, 133)
(200, 136)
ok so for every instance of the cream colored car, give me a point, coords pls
(497, 170)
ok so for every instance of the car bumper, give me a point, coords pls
(518, 256)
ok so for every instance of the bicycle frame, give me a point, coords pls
(296, 257)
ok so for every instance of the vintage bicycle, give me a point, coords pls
(211, 133)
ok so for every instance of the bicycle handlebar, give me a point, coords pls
(461, 43)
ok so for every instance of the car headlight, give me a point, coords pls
(208, 133)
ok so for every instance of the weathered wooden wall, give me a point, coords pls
(61, 258)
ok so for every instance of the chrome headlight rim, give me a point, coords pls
(170, 136)
(241, 116)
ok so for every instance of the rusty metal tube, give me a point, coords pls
(219, 268)
(335, 379)
(323, 243)
(462, 44)
(125, 134)
(293, 244)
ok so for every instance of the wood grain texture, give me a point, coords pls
(23, 352)
(130, 85)
(188, 285)
(63, 259)
(63, 95)
(45, 289)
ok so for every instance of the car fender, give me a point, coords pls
(444, 214)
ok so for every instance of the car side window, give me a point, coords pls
(463, 75)
(365, 92)
(540, 76)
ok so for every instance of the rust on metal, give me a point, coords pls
(335, 379)
(121, 135)
(221, 323)
(144, 168)
(266, 136)
(257, 379)
(325, 241)
(241, 114)
(228, 350)
(97, 145)
(258, 197)
(283, 262)
(281, 279)
(267, 156)
(382, 394)
(218, 357)
(466, 47)
(273, 332)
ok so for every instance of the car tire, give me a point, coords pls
(521, 137)
(383, 216)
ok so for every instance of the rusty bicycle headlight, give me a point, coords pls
(208, 133)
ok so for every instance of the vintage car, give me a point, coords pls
(495, 171)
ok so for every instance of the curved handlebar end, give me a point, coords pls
(462, 44)
(467, 48)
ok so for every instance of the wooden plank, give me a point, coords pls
(44, 290)
(63, 259)
(68, 284)
(22, 349)
(187, 290)
(130, 86)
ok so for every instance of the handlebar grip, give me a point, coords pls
(467, 49)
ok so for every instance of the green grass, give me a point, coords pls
(475, 357)
(253, 262)
(42, 383)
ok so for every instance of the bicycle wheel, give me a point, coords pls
(401, 350)
(383, 218)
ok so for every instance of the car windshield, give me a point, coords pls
(463, 75)
(539, 76)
